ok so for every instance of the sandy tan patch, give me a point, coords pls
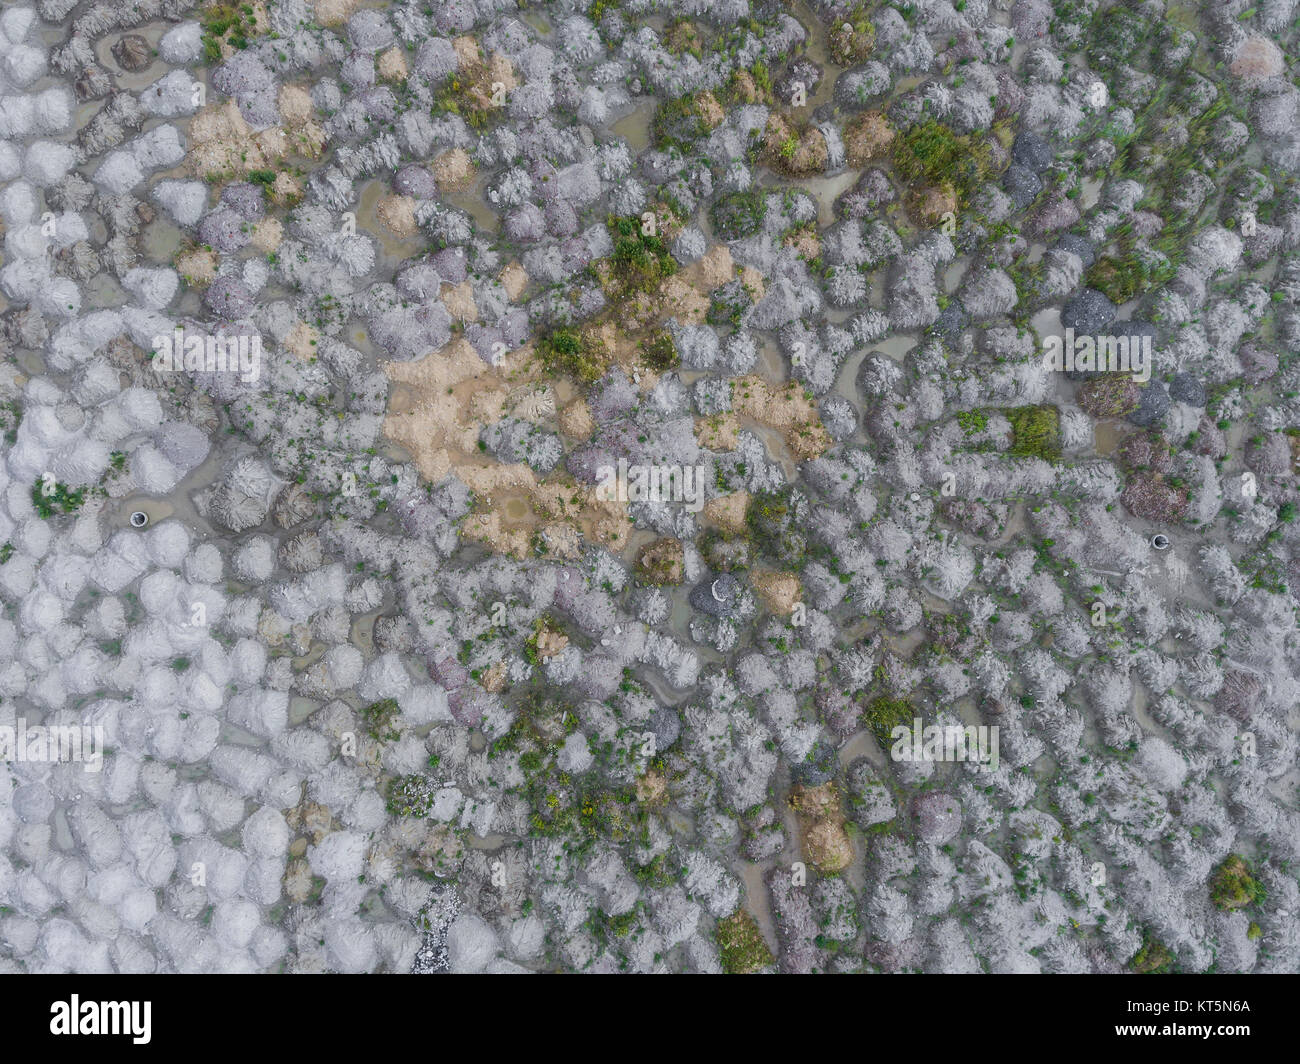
(866, 138)
(825, 843)
(514, 279)
(286, 191)
(718, 432)
(295, 105)
(716, 268)
(794, 150)
(652, 788)
(576, 421)
(267, 235)
(334, 12)
(197, 267)
(397, 215)
(551, 643)
(459, 301)
(437, 412)
(708, 109)
(930, 204)
(727, 512)
(786, 408)
(392, 65)
(806, 243)
(301, 341)
(493, 678)
(777, 591)
(453, 170)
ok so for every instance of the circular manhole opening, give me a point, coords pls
(1160, 541)
(139, 519)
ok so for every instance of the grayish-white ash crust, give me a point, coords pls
(346, 731)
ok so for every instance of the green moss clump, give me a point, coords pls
(660, 354)
(1125, 277)
(1152, 959)
(409, 796)
(677, 124)
(1109, 396)
(932, 154)
(1035, 432)
(58, 499)
(379, 718)
(739, 215)
(1113, 39)
(640, 260)
(1232, 886)
(852, 40)
(741, 945)
(772, 525)
(567, 351)
(728, 304)
(973, 421)
(262, 177)
(226, 22)
(882, 715)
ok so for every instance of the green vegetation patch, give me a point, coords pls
(660, 353)
(772, 525)
(1232, 886)
(851, 40)
(640, 260)
(410, 796)
(51, 497)
(728, 304)
(677, 124)
(1153, 958)
(933, 154)
(741, 944)
(882, 715)
(379, 718)
(565, 350)
(1122, 278)
(739, 215)
(233, 23)
(1035, 432)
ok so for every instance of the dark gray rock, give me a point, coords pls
(1022, 185)
(1078, 245)
(666, 726)
(951, 321)
(1089, 313)
(717, 596)
(1153, 404)
(1187, 389)
(1032, 152)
